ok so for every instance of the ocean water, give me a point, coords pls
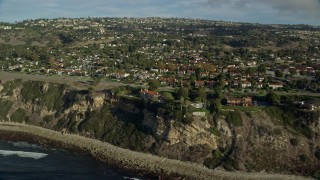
(21, 160)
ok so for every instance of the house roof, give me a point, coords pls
(152, 93)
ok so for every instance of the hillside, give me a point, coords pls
(269, 139)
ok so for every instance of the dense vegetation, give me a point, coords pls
(5, 106)
(47, 95)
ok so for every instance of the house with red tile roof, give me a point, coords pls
(148, 95)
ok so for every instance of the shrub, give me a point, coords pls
(298, 120)
(277, 132)
(317, 153)
(235, 118)
(294, 142)
(248, 114)
(168, 96)
(179, 115)
(316, 174)
(52, 98)
(231, 164)
(215, 131)
(217, 153)
(5, 107)
(262, 130)
(48, 119)
(273, 98)
(303, 158)
(19, 116)
(211, 162)
(303, 129)
(188, 119)
(275, 113)
(105, 126)
(9, 86)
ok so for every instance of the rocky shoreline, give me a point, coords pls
(140, 163)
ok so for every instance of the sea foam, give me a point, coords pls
(23, 154)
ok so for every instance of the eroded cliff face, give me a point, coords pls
(261, 143)
(172, 139)
(192, 142)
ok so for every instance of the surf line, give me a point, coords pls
(23, 154)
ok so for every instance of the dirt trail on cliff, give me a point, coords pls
(135, 160)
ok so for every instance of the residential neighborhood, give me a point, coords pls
(215, 57)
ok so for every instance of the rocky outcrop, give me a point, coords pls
(263, 145)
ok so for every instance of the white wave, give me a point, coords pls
(131, 178)
(24, 144)
(33, 155)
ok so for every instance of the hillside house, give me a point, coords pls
(245, 101)
(198, 105)
(121, 75)
(149, 95)
(168, 81)
(276, 85)
(259, 85)
(246, 84)
(211, 84)
(198, 84)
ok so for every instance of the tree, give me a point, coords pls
(201, 94)
(198, 73)
(217, 104)
(262, 68)
(170, 66)
(217, 92)
(168, 97)
(153, 85)
(161, 66)
(65, 38)
(293, 72)
(273, 98)
(221, 78)
(181, 102)
(183, 92)
(317, 76)
(278, 73)
(210, 68)
(251, 71)
(265, 82)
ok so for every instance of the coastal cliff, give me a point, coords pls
(127, 124)
(262, 141)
